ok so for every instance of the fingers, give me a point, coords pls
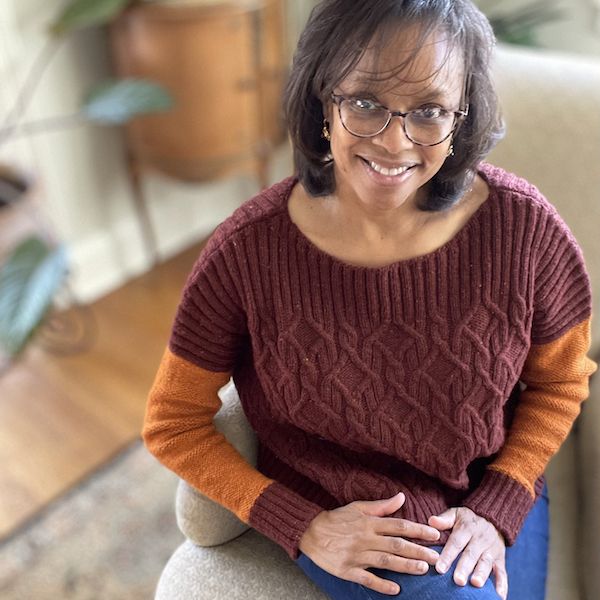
(371, 581)
(481, 564)
(501, 578)
(481, 550)
(444, 521)
(381, 508)
(473, 555)
(391, 562)
(483, 569)
(400, 547)
(404, 528)
(456, 543)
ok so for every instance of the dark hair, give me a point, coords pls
(332, 43)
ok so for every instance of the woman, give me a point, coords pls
(378, 313)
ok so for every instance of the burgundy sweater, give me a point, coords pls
(362, 382)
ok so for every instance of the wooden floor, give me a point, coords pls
(63, 416)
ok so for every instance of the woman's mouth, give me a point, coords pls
(387, 173)
(390, 172)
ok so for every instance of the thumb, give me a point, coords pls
(444, 520)
(381, 508)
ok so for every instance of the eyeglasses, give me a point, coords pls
(427, 126)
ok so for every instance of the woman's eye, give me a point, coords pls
(430, 112)
(363, 104)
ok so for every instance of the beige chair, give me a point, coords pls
(551, 104)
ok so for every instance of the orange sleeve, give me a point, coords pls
(556, 375)
(179, 431)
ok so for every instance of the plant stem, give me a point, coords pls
(11, 122)
(46, 124)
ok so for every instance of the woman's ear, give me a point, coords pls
(328, 110)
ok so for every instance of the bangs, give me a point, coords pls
(366, 45)
(372, 72)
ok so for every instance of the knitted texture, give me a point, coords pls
(179, 429)
(556, 375)
(362, 382)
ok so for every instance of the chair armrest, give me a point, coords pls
(588, 464)
(201, 520)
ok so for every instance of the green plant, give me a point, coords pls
(520, 25)
(35, 269)
(29, 278)
(109, 103)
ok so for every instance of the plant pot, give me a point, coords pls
(16, 202)
(224, 63)
(13, 185)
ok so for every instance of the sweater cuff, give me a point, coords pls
(283, 516)
(503, 501)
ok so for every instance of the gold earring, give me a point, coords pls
(450, 150)
(325, 133)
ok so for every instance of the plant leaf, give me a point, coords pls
(87, 13)
(115, 102)
(29, 278)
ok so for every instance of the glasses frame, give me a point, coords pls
(459, 116)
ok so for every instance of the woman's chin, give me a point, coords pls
(384, 192)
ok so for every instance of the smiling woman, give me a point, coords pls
(381, 167)
(379, 313)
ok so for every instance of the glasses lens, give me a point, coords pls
(429, 126)
(426, 126)
(363, 117)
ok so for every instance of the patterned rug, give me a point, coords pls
(107, 539)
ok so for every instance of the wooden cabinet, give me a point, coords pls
(225, 64)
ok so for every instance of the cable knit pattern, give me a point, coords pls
(362, 382)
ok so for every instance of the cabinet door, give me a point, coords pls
(206, 57)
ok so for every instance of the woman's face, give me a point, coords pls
(435, 78)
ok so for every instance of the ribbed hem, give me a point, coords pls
(273, 467)
(283, 516)
(502, 501)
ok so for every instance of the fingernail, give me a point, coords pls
(460, 579)
(441, 567)
(476, 580)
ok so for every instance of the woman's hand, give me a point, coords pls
(348, 540)
(482, 546)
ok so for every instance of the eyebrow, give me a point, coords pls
(358, 89)
(364, 85)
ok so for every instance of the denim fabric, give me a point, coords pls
(526, 565)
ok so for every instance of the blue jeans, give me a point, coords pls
(526, 565)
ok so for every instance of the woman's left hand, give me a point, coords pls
(482, 546)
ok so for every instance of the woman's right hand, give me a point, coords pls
(348, 540)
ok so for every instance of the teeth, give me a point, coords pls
(388, 172)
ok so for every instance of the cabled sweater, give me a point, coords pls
(452, 377)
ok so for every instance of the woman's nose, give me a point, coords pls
(393, 138)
